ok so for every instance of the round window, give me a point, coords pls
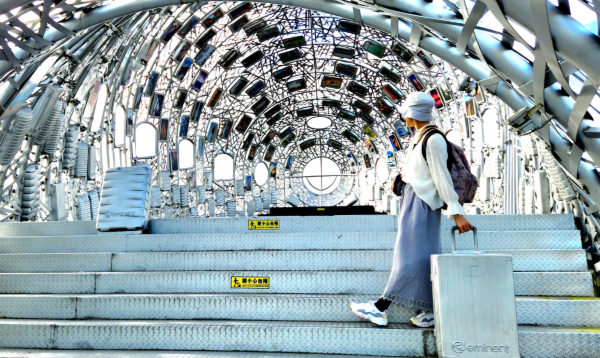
(319, 123)
(223, 167)
(186, 154)
(382, 169)
(261, 174)
(145, 141)
(321, 176)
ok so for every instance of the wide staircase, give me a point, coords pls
(65, 287)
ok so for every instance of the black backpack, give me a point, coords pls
(465, 183)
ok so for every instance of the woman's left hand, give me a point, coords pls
(463, 224)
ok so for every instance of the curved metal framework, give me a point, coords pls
(69, 50)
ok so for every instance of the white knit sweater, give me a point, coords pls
(430, 179)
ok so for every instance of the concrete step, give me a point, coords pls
(273, 336)
(216, 335)
(325, 240)
(545, 311)
(327, 282)
(49, 353)
(301, 260)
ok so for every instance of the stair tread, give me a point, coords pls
(352, 282)
(9, 254)
(217, 335)
(200, 322)
(274, 232)
(46, 353)
(495, 240)
(264, 295)
(556, 298)
(305, 309)
(247, 323)
(559, 311)
(342, 222)
(553, 329)
(243, 271)
(297, 260)
(248, 272)
(274, 336)
(124, 234)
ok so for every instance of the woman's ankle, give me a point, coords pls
(382, 304)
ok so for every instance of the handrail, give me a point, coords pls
(590, 209)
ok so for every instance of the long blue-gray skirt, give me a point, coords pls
(418, 238)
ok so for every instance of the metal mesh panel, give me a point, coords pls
(13, 140)
(32, 180)
(81, 161)
(70, 153)
(184, 194)
(83, 207)
(94, 204)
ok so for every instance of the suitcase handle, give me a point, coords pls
(453, 232)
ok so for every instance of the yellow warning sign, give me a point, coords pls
(249, 282)
(263, 224)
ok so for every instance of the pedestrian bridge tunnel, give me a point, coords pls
(231, 109)
(293, 102)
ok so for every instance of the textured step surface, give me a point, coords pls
(558, 311)
(170, 290)
(348, 260)
(306, 337)
(517, 240)
(80, 262)
(556, 342)
(333, 282)
(301, 260)
(51, 228)
(47, 353)
(364, 223)
(64, 243)
(546, 260)
(488, 240)
(344, 223)
(267, 336)
(516, 222)
(276, 307)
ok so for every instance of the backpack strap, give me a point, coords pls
(427, 129)
(425, 138)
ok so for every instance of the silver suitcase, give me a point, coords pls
(474, 304)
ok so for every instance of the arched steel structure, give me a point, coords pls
(70, 50)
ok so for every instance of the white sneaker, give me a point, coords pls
(370, 312)
(423, 320)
